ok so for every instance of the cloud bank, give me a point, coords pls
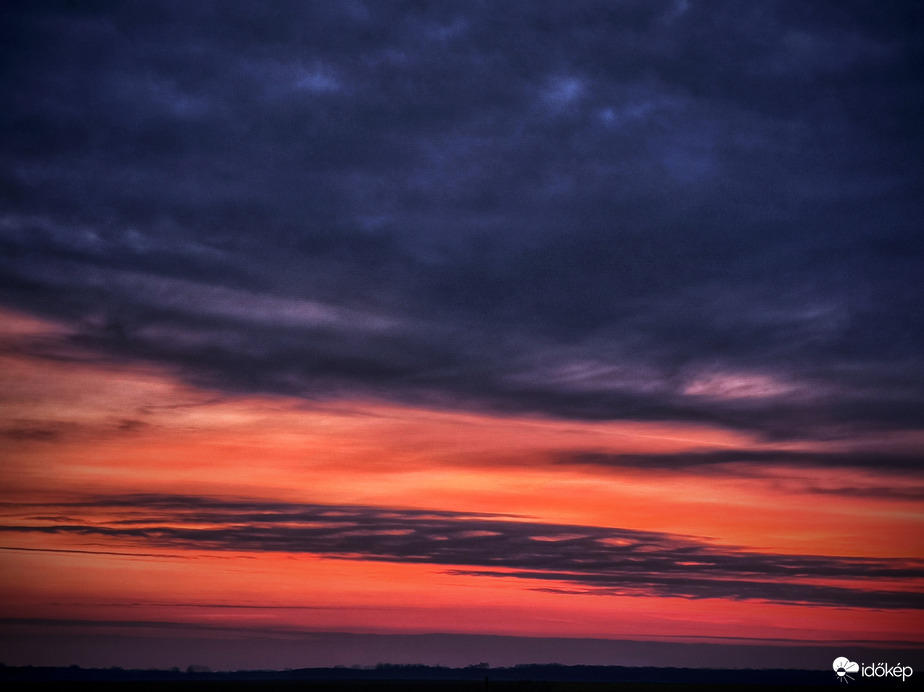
(690, 211)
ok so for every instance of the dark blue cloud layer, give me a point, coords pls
(583, 209)
(578, 559)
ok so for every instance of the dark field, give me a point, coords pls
(420, 678)
(424, 685)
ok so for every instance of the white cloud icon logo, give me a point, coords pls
(842, 666)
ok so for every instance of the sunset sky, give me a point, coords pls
(578, 332)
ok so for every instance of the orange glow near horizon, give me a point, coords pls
(87, 428)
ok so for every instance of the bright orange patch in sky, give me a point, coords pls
(86, 427)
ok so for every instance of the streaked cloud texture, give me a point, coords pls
(602, 560)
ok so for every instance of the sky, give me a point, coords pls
(338, 333)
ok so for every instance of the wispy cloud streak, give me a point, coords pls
(871, 474)
(702, 460)
(587, 558)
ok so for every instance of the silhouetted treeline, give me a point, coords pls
(401, 672)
